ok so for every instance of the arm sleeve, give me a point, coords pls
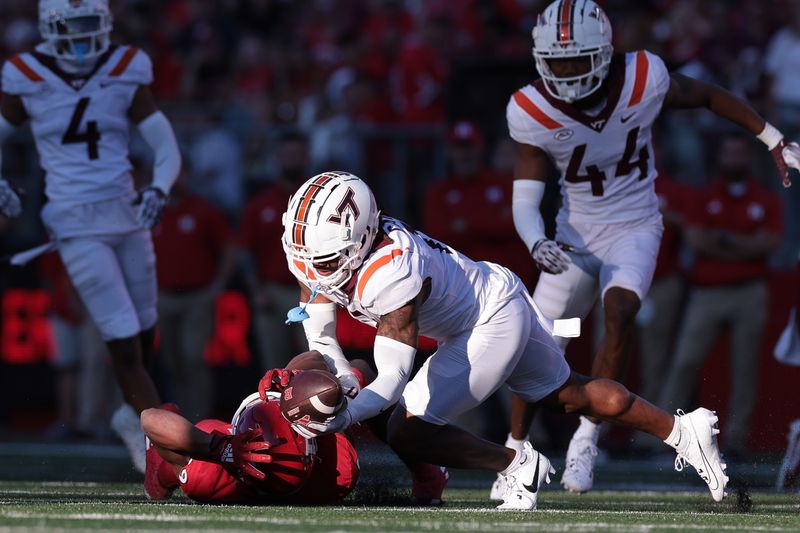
(320, 328)
(394, 361)
(157, 132)
(527, 197)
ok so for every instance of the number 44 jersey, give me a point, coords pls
(81, 125)
(606, 159)
(463, 293)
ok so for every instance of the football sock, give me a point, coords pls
(587, 430)
(677, 438)
(514, 444)
(514, 463)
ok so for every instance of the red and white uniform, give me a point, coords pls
(478, 312)
(333, 476)
(606, 161)
(82, 130)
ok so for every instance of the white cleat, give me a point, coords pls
(702, 451)
(579, 471)
(522, 484)
(125, 423)
(790, 467)
(498, 489)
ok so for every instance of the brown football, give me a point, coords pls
(315, 394)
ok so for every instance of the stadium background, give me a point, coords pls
(374, 84)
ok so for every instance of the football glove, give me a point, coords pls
(350, 385)
(275, 380)
(310, 429)
(240, 451)
(786, 156)
(549, 256)
(151, 202)
(10, 205)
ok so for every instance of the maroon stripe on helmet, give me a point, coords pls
(303, 207)
(565, 20)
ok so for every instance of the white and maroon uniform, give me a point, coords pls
(479, 313)
(606, 161)
(82, 130)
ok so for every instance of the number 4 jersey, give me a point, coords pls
(605, 160)
(81, 125)
(464, 293)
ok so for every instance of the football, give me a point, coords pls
(315, 394)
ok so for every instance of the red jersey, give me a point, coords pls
(475, 218)
(261, 232)
(758, 209)
(420, 75)
(192, 232)
(673, 199)
(333, 477)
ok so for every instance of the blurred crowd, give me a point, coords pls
(411, 95)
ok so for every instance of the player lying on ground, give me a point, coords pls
(591, 115)
(212, 465)
(406, 284)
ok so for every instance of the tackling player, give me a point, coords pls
(81, 94)
(256, 459)
(343, 252)
(591, 114)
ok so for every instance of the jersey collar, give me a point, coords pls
(74, 81)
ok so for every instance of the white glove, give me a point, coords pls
(333, 424)
(550, 257)
(151, 202)
(10, 206)
(350, 385)
(791, 154)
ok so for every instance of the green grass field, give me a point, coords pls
(38, 506)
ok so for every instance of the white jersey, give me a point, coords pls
(81, 125)
(606, 161)
(464, 293)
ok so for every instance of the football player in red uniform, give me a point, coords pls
(256, 458)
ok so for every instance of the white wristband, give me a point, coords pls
(770, 136)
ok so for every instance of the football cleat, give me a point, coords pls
(498, 490)
(428, 483)
(153, 488)
(581, 458)
(523, 483)
(701, 451)
(126, 424)
(790, 468)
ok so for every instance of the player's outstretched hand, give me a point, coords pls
(550, 256)
(275, 380)
(10, 206)
(310, 429)
(786, 156)
(151, 202)
(241, 450)
(350, 385)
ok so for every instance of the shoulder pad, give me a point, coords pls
(132, 65)
(19, 76)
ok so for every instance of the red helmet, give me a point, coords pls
(291, 455)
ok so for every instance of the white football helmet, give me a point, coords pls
(75, 30)
(573, 29)
(332, 217)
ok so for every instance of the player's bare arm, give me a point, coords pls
(401, 325)
(143, 105)
(685, 93)
(12, 109)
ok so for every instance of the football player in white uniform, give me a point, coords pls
(591, 114)
(81, 94)
(344, 253)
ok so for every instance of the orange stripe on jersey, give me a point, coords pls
(640, 82)
(538, 115)
(371, 269)
(565, 28)
(302, 209)
(124, 61)
(25, 69)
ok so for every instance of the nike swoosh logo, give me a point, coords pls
(626, 119)
(707, 477)
(535, 486)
